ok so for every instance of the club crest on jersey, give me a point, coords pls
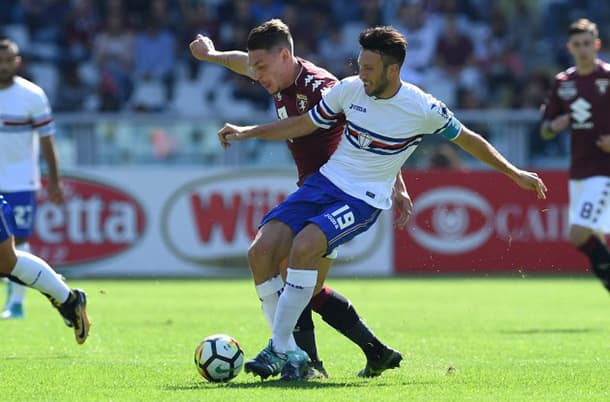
(567, 90)
(302, 103)
(364, 140)
(602, 85)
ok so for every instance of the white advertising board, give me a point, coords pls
(174, 222)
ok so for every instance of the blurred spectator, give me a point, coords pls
(421, 32)
(113, 51)
(81, 26)
(73, 94)
(154, 61)
(263, 10)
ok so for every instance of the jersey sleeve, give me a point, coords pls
(552, 105)
(42, 118)
(439, 119)
(329, 110)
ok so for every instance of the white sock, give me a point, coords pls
(298, 290)
(269, 293)
(17, 292)
(36, 273)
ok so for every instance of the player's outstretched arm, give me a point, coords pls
(402, 202)
(202, 48)
(49, 153)
(550, 128)
(478, 147)
(285, 129)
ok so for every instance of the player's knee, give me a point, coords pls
(7, 265)
(260, 252)
(306, 252)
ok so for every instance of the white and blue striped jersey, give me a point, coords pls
(379, 135)
(25, 115)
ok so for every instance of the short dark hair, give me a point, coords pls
(387, 41)
(270, 35)
(7, 44)
(583, 25)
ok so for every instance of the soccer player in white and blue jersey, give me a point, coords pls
(385, 121)
(26, 126)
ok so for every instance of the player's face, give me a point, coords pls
(583, 47)
(269, 68)
(373, 73)
(9, 63)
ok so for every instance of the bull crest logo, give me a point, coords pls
(602, 85)
(302, 103)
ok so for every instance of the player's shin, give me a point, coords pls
(36, 273)
(297, 293)
(338, 312)
(304, 334)
(269, 293)
(599, 255)
(17, 291)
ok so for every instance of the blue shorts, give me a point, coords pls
(340, 216)
(23, 204)
(6, 220)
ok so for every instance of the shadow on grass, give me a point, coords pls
(286, 384)
(533, 331)
(38, 357)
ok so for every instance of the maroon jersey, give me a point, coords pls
(313, 150)
(587, 99)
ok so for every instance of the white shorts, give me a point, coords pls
(590, 203)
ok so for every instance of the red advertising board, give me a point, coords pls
(480, 221)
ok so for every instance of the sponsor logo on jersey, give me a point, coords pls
(357, 108)
(581, 113)
(302, 103)
(95, 221)
(567, 90)
(602, 85)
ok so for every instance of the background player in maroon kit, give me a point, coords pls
(580, 100)
(296, 86)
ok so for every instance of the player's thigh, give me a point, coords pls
(589, 210)
(23, 204)
(8, 258)
(270, 246)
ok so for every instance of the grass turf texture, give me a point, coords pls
(462, 339)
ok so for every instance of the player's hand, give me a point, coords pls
(202, 48)
(560, 123)
(603, 142)
(404, 206)
(531, 181)
(231, 132)
(55, 192)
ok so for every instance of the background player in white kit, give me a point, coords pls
(385, 121)
(580, 100)
(26, 124)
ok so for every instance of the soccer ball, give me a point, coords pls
(219, 358)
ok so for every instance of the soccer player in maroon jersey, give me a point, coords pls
(580, 101)
(296, 86)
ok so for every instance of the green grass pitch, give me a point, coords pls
(462, 338)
